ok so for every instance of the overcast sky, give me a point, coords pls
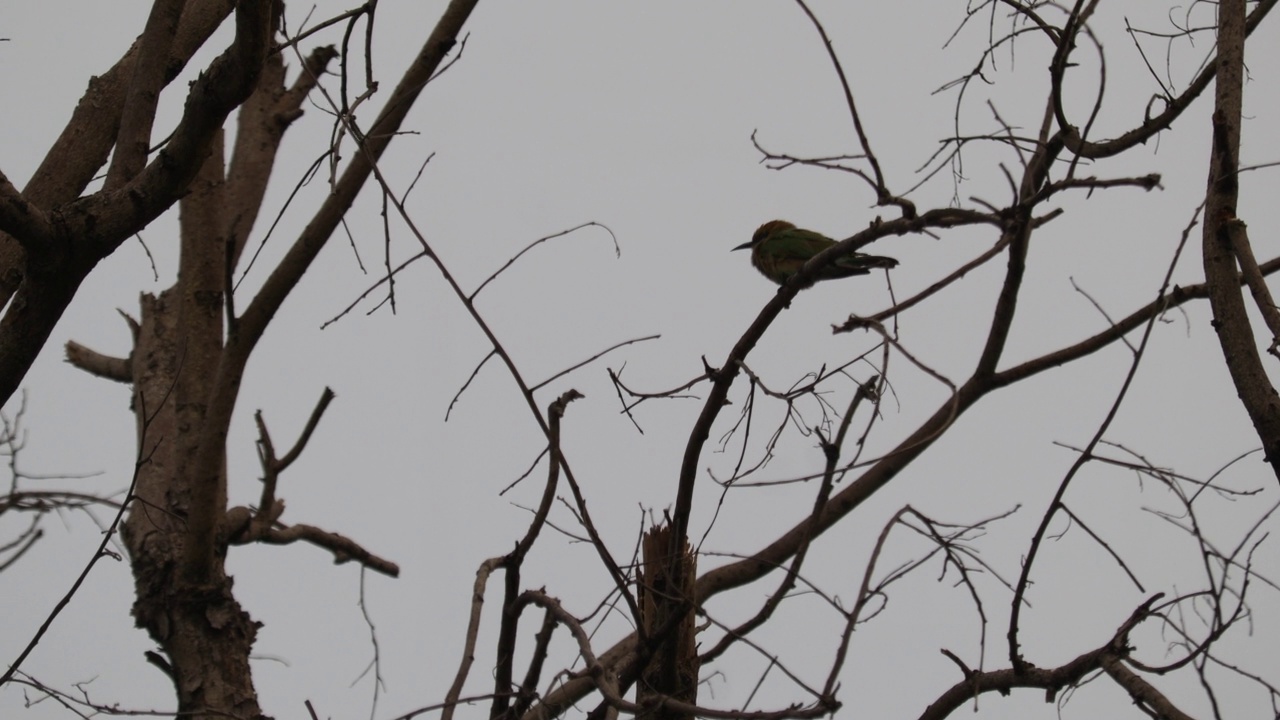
(639, 116)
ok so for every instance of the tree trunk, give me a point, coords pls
(673, 670)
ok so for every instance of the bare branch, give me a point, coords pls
(1220, 241)
(344, 549)
(96, 363)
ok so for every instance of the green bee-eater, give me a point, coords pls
(779, 249)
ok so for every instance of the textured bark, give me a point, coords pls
(1224, 231)
(86, 141)
(84, 231)
(667, 610)
(133, 139)
(205, 635)
(187, 363)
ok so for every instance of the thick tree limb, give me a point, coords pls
(20, 218)
(376, 140)
(253, 323)
(86, 141)
(133, 140)
(1223, 233)
(88, 230)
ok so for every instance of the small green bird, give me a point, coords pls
(779, 249)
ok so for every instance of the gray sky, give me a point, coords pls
(639, 116)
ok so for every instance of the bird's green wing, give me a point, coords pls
(796, 243)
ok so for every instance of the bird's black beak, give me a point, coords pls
(743, 246)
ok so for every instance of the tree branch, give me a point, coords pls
(1222, 234)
